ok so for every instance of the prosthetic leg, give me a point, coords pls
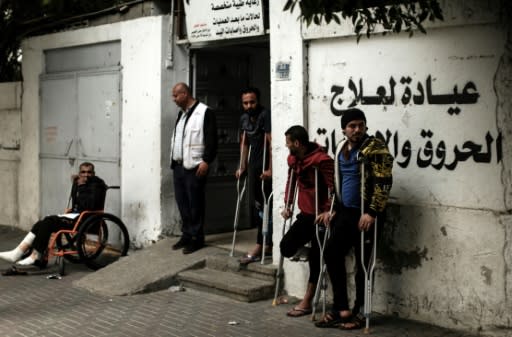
(368, 268)
(240, 190)
(280, 274)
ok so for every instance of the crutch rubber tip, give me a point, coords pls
(366, 331)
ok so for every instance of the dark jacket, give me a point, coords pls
(89, 196)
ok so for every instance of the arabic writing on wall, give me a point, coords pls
(438, 156)
(339, 102)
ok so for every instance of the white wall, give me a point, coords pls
(10, 139)
(447, 242)
(142, 76)
(142, 62)
(288, 108)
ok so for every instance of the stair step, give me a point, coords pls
(233, 285)
(256, 270)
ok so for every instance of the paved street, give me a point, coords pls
(33, 305)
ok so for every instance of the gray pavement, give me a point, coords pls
(33, 305)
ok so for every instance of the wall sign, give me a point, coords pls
(283, 71)
(223, 19)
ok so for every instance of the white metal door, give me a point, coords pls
(80, 121)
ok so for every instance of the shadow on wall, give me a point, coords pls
(393, 259)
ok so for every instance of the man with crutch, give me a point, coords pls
(313, 172)
(256, 162)
(363, 179)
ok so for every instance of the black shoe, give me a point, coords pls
(193, 246)
(180, 244)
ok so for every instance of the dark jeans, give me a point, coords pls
(44, 228)
(344, 236)
(300, 233)
(190, 197)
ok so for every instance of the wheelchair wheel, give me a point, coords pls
(66, 241)
(102, 239)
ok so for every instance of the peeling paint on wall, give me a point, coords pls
(487, 275)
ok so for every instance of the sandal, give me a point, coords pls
(357, 322)
(13, 271)
(298, 312)
(332, 319)
(247, 258)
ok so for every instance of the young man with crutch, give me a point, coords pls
(306, 160)
(256, 161)
(363, 179)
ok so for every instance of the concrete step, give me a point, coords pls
(228, 283)
(266, 272)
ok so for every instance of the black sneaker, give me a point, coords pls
(182, 242)
(193, 246)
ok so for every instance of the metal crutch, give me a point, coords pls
(266, 203)
(322, 279)
(368, 270)
(321, 286)
(280, 273)
(240, 194)
(264, 225)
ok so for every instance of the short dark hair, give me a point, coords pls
(88, 164)
(298, 132)
(352, 115)
(251, 90)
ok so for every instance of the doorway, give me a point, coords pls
(219, 74)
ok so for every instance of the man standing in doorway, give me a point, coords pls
(255, 150)
(193, 149)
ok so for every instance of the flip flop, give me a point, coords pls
(13, 271)
(357, 322)
(298, 312)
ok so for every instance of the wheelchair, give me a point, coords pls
(96, 240)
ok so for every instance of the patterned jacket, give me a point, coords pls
(378, 164)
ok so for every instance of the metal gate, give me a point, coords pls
(80, 121)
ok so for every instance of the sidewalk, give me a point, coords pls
(36, 306)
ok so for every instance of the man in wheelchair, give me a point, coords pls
(87, 193)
